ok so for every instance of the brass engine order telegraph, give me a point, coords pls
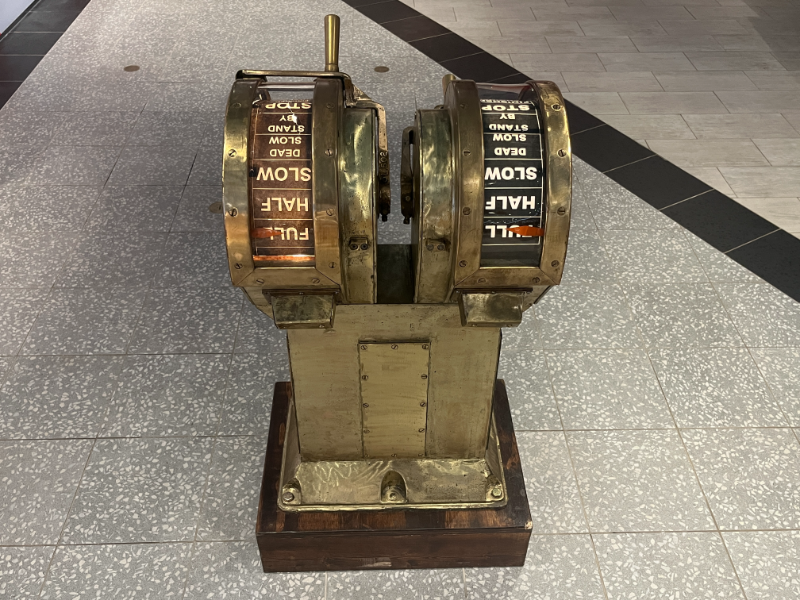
(393, 349)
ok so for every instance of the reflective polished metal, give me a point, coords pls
(394, 349)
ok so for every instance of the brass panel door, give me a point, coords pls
(394, 398)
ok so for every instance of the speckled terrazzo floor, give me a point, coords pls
(654, 393)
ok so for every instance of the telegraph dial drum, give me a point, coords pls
(487, 183)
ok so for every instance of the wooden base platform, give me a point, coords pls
(396, 539)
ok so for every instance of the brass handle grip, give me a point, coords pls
(331, 42)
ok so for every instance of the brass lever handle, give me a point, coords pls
(331, 42)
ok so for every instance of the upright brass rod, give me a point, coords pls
(446, 81)
(331, 42)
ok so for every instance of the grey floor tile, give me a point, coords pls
(140, 490)
(666, 565)
(258, 333)
(188, 321)
(717, 266)
(681, 316)
(58, 397)
(550, 483)
(767, 563)
(171, 129)
(18, 310)
(207, 167)
(431, 584)
(749, 476)
(587, 261)
(248, 397)
(637, 481)
(194, 259)
(74, 165)
(94, 128)
(22, 570)
(607, 389)
(557, 567)
(231, 500)
(530, 394)
(652, 256)
(586, 316)
(232, 571)
(33, 260)
(194, 212)
(137, 208)
(85, 321)
(29, 128)
(162, 396)
(17, 162)
(110, 260)
(183, 97)
(124, 571)
(163, 165)
(51, 208)
(39, 482)
(637, 216)
(716, 387)
(781, 369)
(765, 316)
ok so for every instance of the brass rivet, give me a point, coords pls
(381, 69)
(231, 152)
(536, 280)
(440, 247)
(288, 497)
(554, 263)
(562, 153)
(466, 211)
(364, 377)
(236, 105)
(429, 246)
(561, 211)
(315, 280)
(463, 263)
(328, 152)
(131, 68)
(394, 346)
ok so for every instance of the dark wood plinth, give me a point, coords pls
(396, 539)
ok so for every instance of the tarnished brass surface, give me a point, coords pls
(327, 385)
(356, 206)
(302, 310)
(347, 485)
(432, 227)
(492, 309)
(332, 43)
(394, 398)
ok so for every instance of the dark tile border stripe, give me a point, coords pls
(755, 243)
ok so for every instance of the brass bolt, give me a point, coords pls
(423, 404)
(328, 152)
(554, 263)
(467, 152)
(329, 212)
(394, 346)
(366, 431)
(536, 280)
(329, 105)
(440, 247)
(462, 106)
(466, 211)
(562, 153)
(463, 263)
(556, 107)
(424, 376)
(421, 429)
(288, 496)
(365, 405)
(233, 212)
(231, 152)
(332, 265)
(429, 246)
(363, 347)
(237, 266)
(482, 280)
(561, 211)
(497, 493)
(315, 280)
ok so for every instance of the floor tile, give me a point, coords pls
(659, 183)
(739, 126)
(25, 42)
(645, 61)
(231, 500)
(718, 266)
(589, 81)
(629, 28)
(16, 163)
(764, 316)
(187, 321)
(58, 397)
(577, 61)
(610, 389)
(47, 20)
(652, 256)
(719, 387)
(709, 153)
(94, 128)
(194, 212)
(586, 316)
(651, 127)
(673, 102)
(168, 396)
(535, 28)
(139, 165)
(74, 165)
(257, 333)
(600, 103)
(22, 570)
(637, 481)
(232, 571)
(763, 182)
(118, 571)
(781, 212)
(759, 101)
(32, 209)
(731, 60)
(28, 128)
(110, 260)
(675, 43)
(83, 321)
(666, 565)
(33, 260)
(705, 81)
(530, 394)
(194, 259)
(18, 310)
(248, 397)
(767, 563)
(550, 483)
(779, 152)
(140, 490)
(557, 567)
(171, 129)
(704, 27)
(748, 475)
(781, 369)
(605, 148)
(436, 584)
(143, 208)
(711, 177)
(685, 316)
(587, 261)
(39, 483)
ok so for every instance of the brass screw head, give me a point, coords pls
(363, 347)
(429, 246)
(288, 496)
(364, 246)
(259, 281)
(353, 246)
(561, 211)
(231, 152)
(562, 153)
(365, 405)
(497, 493)
(233, 212)
(554, 263)
(556, 107)
(315, 280)
(466, 211)
(237, 266)
(423, 403)
(421, 429)
(536, 280)
(463, 263)
(394, 346)
(440, 247)
(424, 346)
(424, 376)
(364, 377)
